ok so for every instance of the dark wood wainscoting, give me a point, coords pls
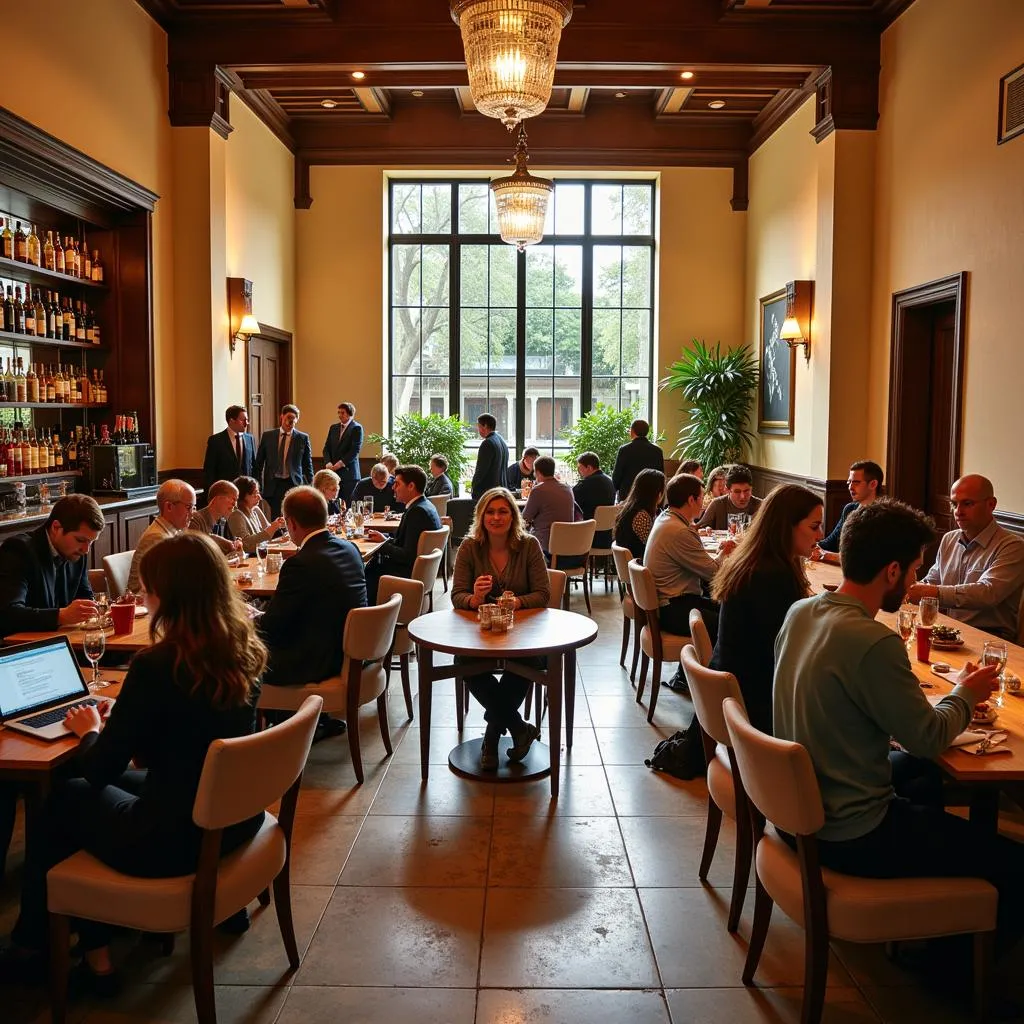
(833, 492)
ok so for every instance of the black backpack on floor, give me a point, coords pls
(681, 755)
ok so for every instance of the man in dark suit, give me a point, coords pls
(397, 555)
(232, 452)
(341, 449)
(595, 488)
(637, 455)
(492, 459)
(284, 459)
(305, 621)
(44, 584)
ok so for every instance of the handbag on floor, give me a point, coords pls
(681, 755)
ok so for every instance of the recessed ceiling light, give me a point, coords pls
(358, 75)
(328, 104)
(686, 75)
(716, 104)
(620, 95)
(417, 93)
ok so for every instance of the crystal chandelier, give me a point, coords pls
(511, 47)
(521, 201)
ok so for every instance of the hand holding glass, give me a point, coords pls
(94, 643)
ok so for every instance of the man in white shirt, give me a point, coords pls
(176, 501)
(978, 575)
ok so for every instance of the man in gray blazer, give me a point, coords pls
(213, 520)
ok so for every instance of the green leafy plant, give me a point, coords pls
(720, 388)
(416, 438)
(603, 431)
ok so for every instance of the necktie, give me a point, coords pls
(281, 471)
(238, 450)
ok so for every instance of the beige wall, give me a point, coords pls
(107, 98)
(950, 199)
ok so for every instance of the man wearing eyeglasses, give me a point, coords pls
(863, 483)
(978, 575)
(176, 501)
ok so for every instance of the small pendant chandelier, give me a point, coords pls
(511, 47)
(521, 201)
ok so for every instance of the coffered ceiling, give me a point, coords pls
(643, 83)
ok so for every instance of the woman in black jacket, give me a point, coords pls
(756, 587)
(197, 683)
(639, 510)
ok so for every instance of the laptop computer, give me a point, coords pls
(38, 683)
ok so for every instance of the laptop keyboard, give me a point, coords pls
(55, 714)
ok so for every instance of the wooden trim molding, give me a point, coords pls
(833, 493)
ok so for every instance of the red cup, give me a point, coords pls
(924, 643)
(124, 618)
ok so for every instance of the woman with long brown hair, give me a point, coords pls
(756, 587)
(195, 684)
(498, 555)
(636, 516)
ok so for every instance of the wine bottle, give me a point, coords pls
(21, 387)
(7, 240)
(54, 318)
(31, 384)
(58, 253)
(19, 312)
(68, 326)
(20, 243)
(97, 267)
(49, 252)
(58, 453)
(79, 322)
(40, 311)
(9, 326)
(71, 453)
(35, 254)
(16, 461)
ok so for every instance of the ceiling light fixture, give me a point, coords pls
(328, 104)
(511, 47)
(686, 75)
(521, 201)
(358, 75)
(716, 104)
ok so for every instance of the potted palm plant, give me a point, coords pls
(720, 389)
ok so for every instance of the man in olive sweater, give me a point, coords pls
(844, 687)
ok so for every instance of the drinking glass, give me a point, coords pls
(735, 521)
(906, 620)
(994, 653)
(387, 511)
(94, 643)
(102, 607)
(261, 557)
(929, 610)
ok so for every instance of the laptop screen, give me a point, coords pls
(36, 676)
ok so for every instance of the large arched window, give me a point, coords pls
(535, 338)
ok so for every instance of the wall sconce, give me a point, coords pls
(796, 330)
(241, 322)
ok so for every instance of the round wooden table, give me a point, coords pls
(548, 632)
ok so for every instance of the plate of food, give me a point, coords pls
(984, 714)
(946, 638)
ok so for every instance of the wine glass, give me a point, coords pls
(102, 608)
(261, 557)
(94, 643)
(994, 653)
(929, 610)
(906, 619)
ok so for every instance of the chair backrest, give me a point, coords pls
(708, 689)
(700, 639)
(245, 775)
(424, 569)
(622, 556)
(118, 568)
(604, 517)
(571, 538)
(370, 631)
(645, 593)
(556, 580)
(777, 774)
(98, 581)
(432, 540)
(411, 592)
(461, 511)
(440, 502)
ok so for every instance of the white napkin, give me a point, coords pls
(970, 741)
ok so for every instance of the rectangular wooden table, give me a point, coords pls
(267, 586)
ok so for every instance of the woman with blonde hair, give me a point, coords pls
(195, 684)
(328, 483)
(498, 555)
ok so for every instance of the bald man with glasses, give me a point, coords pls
(978, 575)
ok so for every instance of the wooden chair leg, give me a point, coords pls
(741, 867)
(714, 826)
(655, 687)
(264, 897)
(403, 661)
(461, 688)
(636, 649)
(815, 972)
(382, 721)
(352, 717)
(60, 965)
(644, 662)
(201, 943)
(984, 944)
(283, 904)
(759, 931)
(586, 591)
(625, 641)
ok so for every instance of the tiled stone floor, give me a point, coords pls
(458, 902)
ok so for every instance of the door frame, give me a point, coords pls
(284, 381)
(946, 289)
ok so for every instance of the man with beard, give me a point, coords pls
(844, 688)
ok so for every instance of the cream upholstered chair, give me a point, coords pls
(781, 784)
(622, 557)
(708, 689)
(241, 777)
(411, 592)
(440, 502)
(655, 644)
(369, 634)
(437, 540)
(604, 522)
(425, 570)
(700, 639)
(572, 540)
(118, 568)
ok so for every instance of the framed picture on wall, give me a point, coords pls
(778, 364)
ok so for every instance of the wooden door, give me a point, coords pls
(938, 478)
(268, 378)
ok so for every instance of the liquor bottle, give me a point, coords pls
(104, 397)
(71, 452)
(20, 384)
(45, 385)
(20, 243)
(97, 267)
(29, 314)
(35, 253)
(32, 466)
(40, 311)
(58, 254)
(49, 253)
(95, 330)
(88, 322)
(79, 322)
(7, 240)
(75, 385)
(60, 385)
(79, 261)
(86, 261)
(51, 458)
(9, 323)
(3, 453)
(16, 463)
(19, 312)
(54, 317)
(68, 326)
(9, 386)
(58, 453)
(3, 384)
(70, 257)
(31, 384)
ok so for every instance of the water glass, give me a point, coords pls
(994, 653)
(735, 521)
(486, 613)
(94, 643)
(906, 620)
(929, 610)
(261, 557)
